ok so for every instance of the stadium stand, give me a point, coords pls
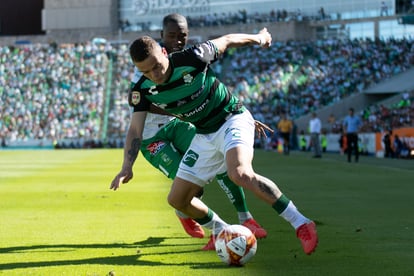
(52, 91)
(75, 94)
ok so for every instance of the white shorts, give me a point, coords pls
(205, 158)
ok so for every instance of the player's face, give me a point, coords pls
(155, 66)
(174, 36)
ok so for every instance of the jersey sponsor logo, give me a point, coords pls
(192, 97)
(153, 90)
(199, 51)
(162, 106)
(196, 110)
(198, 93)
(135, 97)
(155, 147)
(180, 103)
(190, 158)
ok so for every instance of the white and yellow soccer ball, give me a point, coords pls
(236, 245)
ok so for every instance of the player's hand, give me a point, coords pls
(124, 176)
(265, 38)
(261, 129)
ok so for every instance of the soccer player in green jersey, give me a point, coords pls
(166, 139)
(183, 84)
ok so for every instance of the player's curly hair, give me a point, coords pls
(141, 48)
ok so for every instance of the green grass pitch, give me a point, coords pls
(59, 217)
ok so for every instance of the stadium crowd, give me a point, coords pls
(51, 91)
(58, 91)
(382, 118)
(300, 77)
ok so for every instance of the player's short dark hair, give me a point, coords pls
(141, 48)
(174, 18)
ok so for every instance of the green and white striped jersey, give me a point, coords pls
(192, 93)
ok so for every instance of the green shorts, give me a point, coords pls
(165, 150)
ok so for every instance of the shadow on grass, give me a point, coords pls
(132, 259)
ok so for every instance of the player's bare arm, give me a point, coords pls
(263, 38)
(131, 149)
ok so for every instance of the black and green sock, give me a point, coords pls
(281, 204)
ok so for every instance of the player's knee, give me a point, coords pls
(175, 202)
(172, 201)
(240, 176)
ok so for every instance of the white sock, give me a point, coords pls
(215, 225)
(243, 216)
(181, 214)
(293, 216)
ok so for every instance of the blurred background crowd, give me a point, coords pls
(79, 91)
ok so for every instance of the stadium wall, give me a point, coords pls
(154, 10)
(82, 20)
(100, 15)
(281, 31)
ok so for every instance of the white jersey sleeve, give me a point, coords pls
(153, 123)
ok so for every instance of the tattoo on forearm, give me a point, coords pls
(133, 151)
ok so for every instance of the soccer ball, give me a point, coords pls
(236, 245)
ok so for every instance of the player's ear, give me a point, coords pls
(164, 51)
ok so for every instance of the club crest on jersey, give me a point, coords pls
(166, 159)
(135, 97)
(187, 78)
(234, 132)
(155, 147)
